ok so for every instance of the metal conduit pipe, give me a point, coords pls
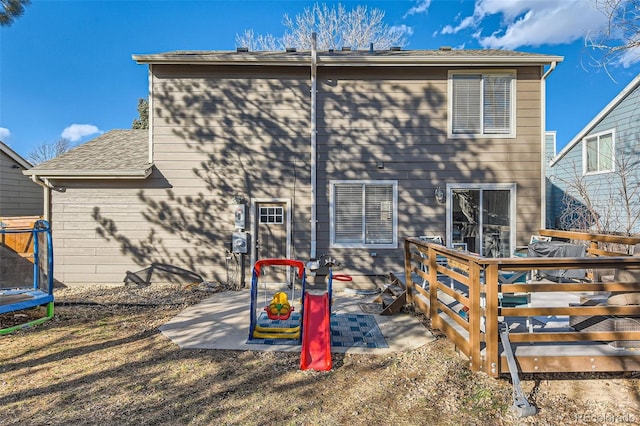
(314, 218)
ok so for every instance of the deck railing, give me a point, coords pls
(465, 296)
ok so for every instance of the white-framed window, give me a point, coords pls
(482, 104)
(598, 152)
(273, 215)
(364, 213)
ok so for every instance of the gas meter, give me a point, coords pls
(240, 242)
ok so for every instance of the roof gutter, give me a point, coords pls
(336, 59)
(94, 174)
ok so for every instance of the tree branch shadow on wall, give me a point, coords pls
(220, 134)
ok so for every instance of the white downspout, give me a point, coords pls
(150, 112)
(314, 214)
(550, 70)
(47, 196)
(543, 160)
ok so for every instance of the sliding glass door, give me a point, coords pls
(481, 218)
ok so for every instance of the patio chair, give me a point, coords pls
(535, 239)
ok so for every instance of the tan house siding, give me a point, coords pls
(19, 196)
(129, 225)
(245, 133)
(95, 231)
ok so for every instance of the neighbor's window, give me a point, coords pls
(364, 214)
(598, 153)
(481, 104)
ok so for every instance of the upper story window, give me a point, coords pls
(482, 104)
(598, 152)
(364, 214)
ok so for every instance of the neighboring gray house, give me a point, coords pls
(19, 196)
(343, 152)
(587, 178)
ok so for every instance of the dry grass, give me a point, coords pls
(101, 360)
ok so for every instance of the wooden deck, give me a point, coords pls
(464, 299)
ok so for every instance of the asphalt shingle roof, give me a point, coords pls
(117, 151)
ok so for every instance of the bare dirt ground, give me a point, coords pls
(102, 360)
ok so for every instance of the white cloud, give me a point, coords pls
(402, 29)
(4, 133)
(422, 6)
(468, 22)
(531, 22)
(75, 132)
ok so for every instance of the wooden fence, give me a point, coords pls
(553, 326)
(21, 244)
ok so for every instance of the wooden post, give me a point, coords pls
(433, 289)
(492, 332)
(407, 270)
(433, 284)
(475, 312)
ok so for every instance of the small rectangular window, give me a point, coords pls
(274, 215)
(598, 153)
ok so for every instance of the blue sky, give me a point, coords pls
(66, 67)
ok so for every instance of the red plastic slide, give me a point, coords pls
(316, 333)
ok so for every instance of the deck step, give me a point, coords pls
(398, 279)
(395, 290)
(393, 297)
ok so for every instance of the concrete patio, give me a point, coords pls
(222, 322)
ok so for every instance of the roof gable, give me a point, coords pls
(14, 156)
(624, 94)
